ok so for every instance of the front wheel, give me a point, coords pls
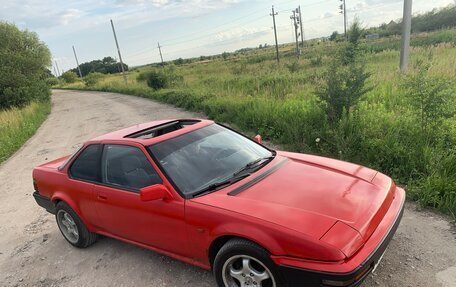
(72, 227)
(241, 263)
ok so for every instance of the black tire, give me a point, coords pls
(244, 249)
(85, 238)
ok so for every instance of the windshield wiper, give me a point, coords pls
(216, 185)
(248, 166)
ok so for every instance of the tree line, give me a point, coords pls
(107, 65)
(23, 67)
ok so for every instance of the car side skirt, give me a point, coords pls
(158, 250)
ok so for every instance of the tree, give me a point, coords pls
(24, 60)
(107, 65)
(179, 61)
(334, 36)
(345, 80)
(431, 98)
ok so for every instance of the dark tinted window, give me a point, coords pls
(86, 165)
(127, 166)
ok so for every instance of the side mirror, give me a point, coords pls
(153, 192)
(258, 139)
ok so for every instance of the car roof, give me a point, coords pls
(126, 134)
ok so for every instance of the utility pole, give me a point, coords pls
(302, 30)
(58, 71)
(343, 10)
(273, 14)
(77, 62)
(294, 18)
(161, 56)
(118, 50)
(406, 29)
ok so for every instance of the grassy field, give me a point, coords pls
(18, 125)
(385, 130)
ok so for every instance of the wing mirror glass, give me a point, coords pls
(153, 192)
(258, 139)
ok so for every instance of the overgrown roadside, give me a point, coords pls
(24, 92)
(18, 125)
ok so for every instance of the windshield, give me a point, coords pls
(204, 157)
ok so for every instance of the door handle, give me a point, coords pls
(102, 197)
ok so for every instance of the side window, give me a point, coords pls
(87, 165)
(128, 167)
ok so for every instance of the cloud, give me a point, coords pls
(328, 15)
(359, 6)
(241, 34)
(70, 15)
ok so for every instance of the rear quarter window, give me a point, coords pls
(87, 164)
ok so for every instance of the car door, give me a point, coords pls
(160, 223)
(83, 172)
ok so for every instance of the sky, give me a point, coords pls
(184, 29)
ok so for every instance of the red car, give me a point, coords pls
(207, 195)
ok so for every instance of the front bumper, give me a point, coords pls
(44, 202)
(299, 277)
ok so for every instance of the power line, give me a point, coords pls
(171, 41)
(197, 38)
(252, 21)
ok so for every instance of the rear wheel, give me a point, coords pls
(72, 227)
(241, 263)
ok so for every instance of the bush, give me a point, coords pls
(69, 77)
(92, 79)
(430, 97)
(293, 67)
(438, 189)
(157, 80)
(52, 81)
(345, 80)
(23, 62)
(160, 79)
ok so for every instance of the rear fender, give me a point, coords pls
(60, 196)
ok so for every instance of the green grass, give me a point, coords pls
(18, 125)
(250, 91)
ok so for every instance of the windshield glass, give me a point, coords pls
(206, 156)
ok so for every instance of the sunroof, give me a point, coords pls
(162, 129)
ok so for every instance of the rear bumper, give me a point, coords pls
(44, 202)
(297, 276)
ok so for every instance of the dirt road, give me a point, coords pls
(33, 252)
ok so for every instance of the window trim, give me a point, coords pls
(121, 187)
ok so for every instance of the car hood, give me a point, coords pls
(312, 195)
